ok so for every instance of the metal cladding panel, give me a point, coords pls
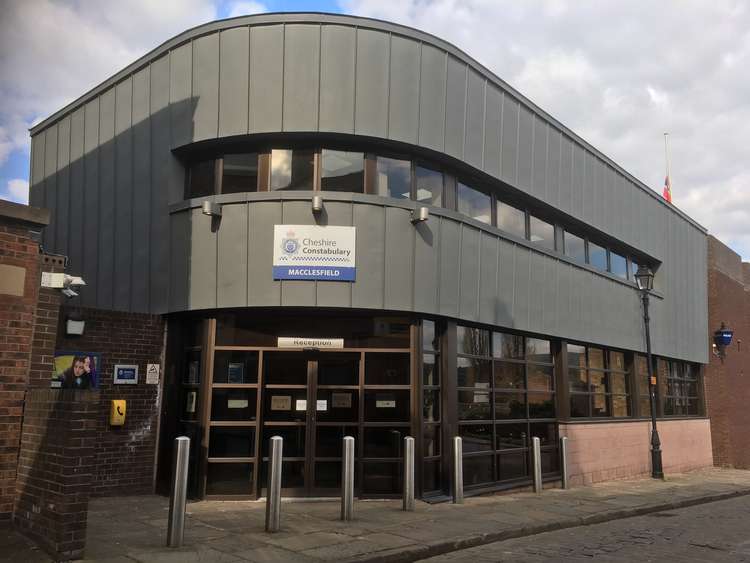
(525, 148)
(181, 234)
(301, 75)
(493, 107)
(475, 120)
(449, 279)
(77, 179)
(266, 78)
(181, 101)
(426, 266)
(159, 254)
(63, 186)
(203, 261)
(231, 257)
(506, 267)
(330, 293)
(488, 270)
(91, 202)
(369, 292)
(537, 281)
(509, 158)
(399, 259)
(37, 163)
(234, 81)
(577, 185)
(432, 98)
(139, 274)
(553, 166)
(539, 166)
(261, 288)
(403, 94)
(470, 260)
(371, 103)
(455, 107)
(297, 293)
(338, 49)
(566, 175)
(562, 308)
(205, 94)
(50, 186)
(522, 291)
(106, 200)
(123, 195)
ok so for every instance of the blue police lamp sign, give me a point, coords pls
(126, 375)
(312, 252)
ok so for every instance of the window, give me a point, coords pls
(598, 256)
(475, 204)
(618, 265)
(292, 169)
(240, 173)
(511, 219)
(506, 395)
(644, 382)
(393, 178)
(431, 413)
(678, 385)
(429, 186)
(575, 247)
(201, 179)
(541, 233)
(342, 171)
(598, 382)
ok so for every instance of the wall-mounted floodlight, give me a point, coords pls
(317, 203)
(420, 215)
(211, 208)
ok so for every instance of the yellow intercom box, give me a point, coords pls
(117, 414)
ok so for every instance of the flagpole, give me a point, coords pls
(666, 157)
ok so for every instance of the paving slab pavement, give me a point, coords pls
(134, 528)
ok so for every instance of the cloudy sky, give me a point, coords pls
(620, 74)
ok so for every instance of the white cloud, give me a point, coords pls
(17, 190)
(621, 74)
(245, 8)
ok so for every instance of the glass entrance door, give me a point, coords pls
(312, 400)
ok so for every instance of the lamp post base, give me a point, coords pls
(657, 472)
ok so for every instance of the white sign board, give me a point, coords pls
(152, 374)
(125, 374)
(313, 252)
(296, 342)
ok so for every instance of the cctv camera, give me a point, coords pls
(73, 281)
(67, 292)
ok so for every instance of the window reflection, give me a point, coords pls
(597, 256)
(618, 265)
(342, 171)
(474, 203)
(511, 219)
(292, 169)
(201, 179)
(575, 247)
(429, 186)
(393, 177)
(541, 233)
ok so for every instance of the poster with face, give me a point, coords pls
(76, 370)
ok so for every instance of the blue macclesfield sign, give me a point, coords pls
(311, 252)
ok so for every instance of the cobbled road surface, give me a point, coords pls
(717, 531)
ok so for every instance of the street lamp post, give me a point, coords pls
(644, 278)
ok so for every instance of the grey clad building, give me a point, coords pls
(353, 228)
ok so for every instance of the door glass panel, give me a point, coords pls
(512, 465)
(231, 442)
(387, 406)
(478, 470)
(339, 369)
(235, 367)
(288, 369)
(330, 440)
(292, 475)
(294, 440)
(328, 474)
(384, 442)
(431, 437)
(431, 405)
(476, 438)
(386, 369)
(511, 436)
(337, 405)
(229, 479)
(382, 478)
(234, 404)
(285, 405)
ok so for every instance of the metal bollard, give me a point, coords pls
(536, 460)
(347, 479)
(176, 525)
(458, 471)
(273, 488)
(408, 473)
(564, 462)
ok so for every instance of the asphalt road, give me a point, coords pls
(717, 531)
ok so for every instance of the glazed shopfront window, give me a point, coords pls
(598, 381)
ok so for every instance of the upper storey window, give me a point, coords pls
(597, 256)
(618, 265)
(201, 179)
(394, 177)
(429, 186)
(240, 173)
(575, 247)
(541, 232)
(475, 204)
(511, 219)
(342, 171)
(292, 169)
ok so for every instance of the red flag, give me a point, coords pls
(667, 192)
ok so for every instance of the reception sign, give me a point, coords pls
(311, 252)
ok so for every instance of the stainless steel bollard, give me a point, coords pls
(564, 462)
(458, 471)
(536, 460)
(273, 488)
(408, 473)
(347, 479)
(176, 525)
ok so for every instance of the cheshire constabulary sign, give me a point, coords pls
(311, 252)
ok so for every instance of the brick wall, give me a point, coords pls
(124, 455)
(726, 383)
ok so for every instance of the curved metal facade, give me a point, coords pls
(105, 167)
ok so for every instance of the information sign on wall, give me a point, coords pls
(312, 252)
(125, 374)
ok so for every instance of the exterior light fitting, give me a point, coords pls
(644, 278)
(74, 327)
(317, 203)
(211, 208)
(420, 215)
